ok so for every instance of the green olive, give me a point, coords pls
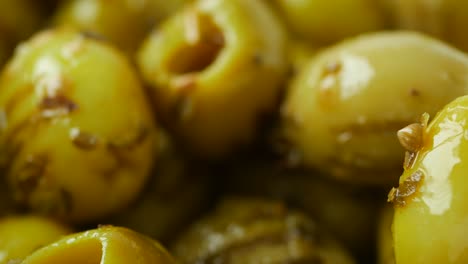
(444, 19)
(22, 235)
(177, 192)
(348, 213)
(249, 231)
(342, 112)
(325, 21)
(385, 251)
(123, 22)
(105, 245)
(77, 137)
(213, 73)
(430, 202)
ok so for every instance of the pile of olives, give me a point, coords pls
(233, 131)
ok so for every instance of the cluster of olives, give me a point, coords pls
(233, 131)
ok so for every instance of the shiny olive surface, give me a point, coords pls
(329, 21)
(22, 235)
(72, 144)
(250, 231)
(104, 245)
(343, 110)
(214, 68)
(431, 200)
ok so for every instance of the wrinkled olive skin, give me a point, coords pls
(105, 245)
(177, 192)
(385, 251)
(326, 22)
(444, 19)
(213, 75)
(342, 112)
(72, 144)
(348, 213)
(124, 22)
(22, 235)
(430, 203)
(249, 231)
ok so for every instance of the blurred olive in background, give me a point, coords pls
(124, 22)
(444, 19)
(248, 231)
(179, 190)
(325, 22)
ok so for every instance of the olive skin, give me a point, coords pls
(445, 19)
(212, 74)
(104, 245)
(430, 201)
(328, 21)
(248, 230)
(124, 22)
(72, 142)
(22, 235)
(343, 110)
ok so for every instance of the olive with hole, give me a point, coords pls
(21, 235)
(104, 245)
(429, 224)
(325, 22)
(77, 136)
(214, 68)
(343, 110)
(249, 231)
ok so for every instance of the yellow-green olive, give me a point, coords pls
(252, 231)
(105, 245)
(214, 67)
(325, 21)
(429, 224)
(342, 112)
(77, 137)
(348, 213)
(22, 235)
(177, 192)
(385, 251)
(123, 22)
(444, 19)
